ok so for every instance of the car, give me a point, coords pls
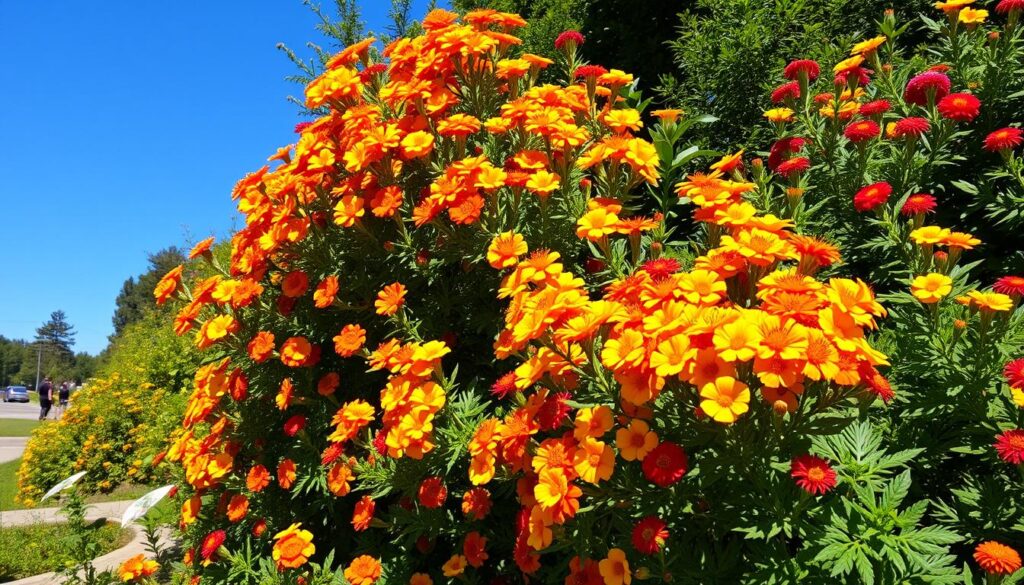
(15, 394)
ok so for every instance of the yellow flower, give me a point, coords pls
(725, 399)
(1018, 396)
(293, 547)
(596, 224)
(868, 46)
(931, 288)
(780, 115)
(972, 16)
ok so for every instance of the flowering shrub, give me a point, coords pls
(447, 345)
(119, 421)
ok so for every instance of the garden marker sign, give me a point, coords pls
(142, 505)
(63, 485)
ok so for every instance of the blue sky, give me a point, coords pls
(124, 126)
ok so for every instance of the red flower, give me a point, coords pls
(997, 558)
(861, 130)
(294, 424)
(433, 492)
(553, 411)
(876, 383)
(874, 108)
(665, 464)
(782, 148)
(1014, 373)
(802, 66)
(590, 71)
(1010, 285)
(1003, 139)
(302, 126)
(785, 92)
(860, 74)
(1006, 6)
(211, 543)
(813, 474)
(911, 127)
(504, 386)
(1010, 446)
(927, 87)
(331, 453)
(872, 196)
(661, 268)
(918, 203)
(569, 36)
(793, 166)
(366, 75)
(380, 443)
(649, 535)
(961, 107)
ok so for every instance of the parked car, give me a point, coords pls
(15, 394)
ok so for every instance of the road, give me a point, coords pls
(25, 410)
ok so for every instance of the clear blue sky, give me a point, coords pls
(123, 127)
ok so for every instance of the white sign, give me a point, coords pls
(63, 485)
(142, 505)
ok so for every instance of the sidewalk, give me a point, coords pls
(109, 510)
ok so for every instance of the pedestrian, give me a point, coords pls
(63, 395)
(45, 391)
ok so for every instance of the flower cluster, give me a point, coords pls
(651, 373)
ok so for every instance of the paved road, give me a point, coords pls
(25, 410)
(11, 448)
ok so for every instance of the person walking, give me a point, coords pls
(63, 395)
(45, 391)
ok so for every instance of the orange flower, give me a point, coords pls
(455, 566)
(168, 285)
(261, 346)
(338, 479)
(328, 384)
(594, 461)
(292, 547)
(350, 340)
(636, 441)
(390, 299)
(295, 284)
(286, 473)
(297, 352)
(257, 479)
(325, 292)
(238, 507)
(363, 570)
(615, 568)
(200, 249)
(136, 568)
(505, 250)
(363, 513)
(997, 558)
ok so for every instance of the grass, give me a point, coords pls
(9, 488)
(31, 550)
(9, 484)
(17, 427)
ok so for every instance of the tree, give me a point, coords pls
(136, 296)
(57, 334)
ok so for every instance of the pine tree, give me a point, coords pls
(57, 335)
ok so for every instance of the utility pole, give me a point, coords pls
(39, 364)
